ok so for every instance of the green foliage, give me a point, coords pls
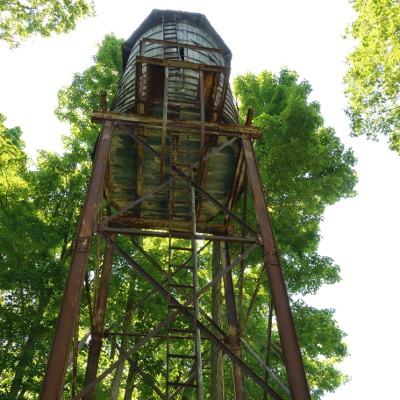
(373, 77)
(322, 344)
(304, 168)
(38, 214)
(77, 101)
(303, 165)
(21, 19)
(306, 273)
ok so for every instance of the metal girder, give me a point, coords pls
(97, 331)
(67, 319)
(231, 353)
(294, 362)
(52, 386)
(199, 189)
(212, 128)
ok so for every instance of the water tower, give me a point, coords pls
(174, 180)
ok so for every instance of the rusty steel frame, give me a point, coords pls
(198, 188)
(141, 121)
(59, 353)
(97, 328)
(57, 365)
(287, 331)
(233, 356)
(231, 353)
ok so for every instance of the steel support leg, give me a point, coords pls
(293, 360)
(97, 330)
(58, 359)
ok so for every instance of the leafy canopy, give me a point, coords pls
(303, 165)
(21, 19)
(39, 209)
(373, 77)
(77, 101)
(304, 168)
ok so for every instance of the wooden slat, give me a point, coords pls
(182, 64)
(236, 184)
(184, 45)
(202, 130)
(223, 96)
(148, 223)
(212, 128)
(139, 175)
(164, 124)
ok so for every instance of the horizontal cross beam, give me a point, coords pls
(212, 128)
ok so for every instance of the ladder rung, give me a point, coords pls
(179, 165)
(179, 133)
(183, 356)
(191, 337)
(179, 202)
(181, 248)
(183, 104)
(182, 286)
(184, 148)
(187, 308)
(188, 385)
(180, 266)
(176, 330)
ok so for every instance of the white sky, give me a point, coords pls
(360, 234)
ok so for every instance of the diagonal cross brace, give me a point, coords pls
(225, 349)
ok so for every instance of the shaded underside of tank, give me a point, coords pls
(135, 170)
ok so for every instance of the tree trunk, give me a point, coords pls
(217, 363)
(116, 383)
(27, 354)
(239, 382)
(130, 383)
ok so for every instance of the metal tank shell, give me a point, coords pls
(199, 43)
(175, 77)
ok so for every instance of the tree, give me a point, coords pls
(21, 19)
(77, 101)
(373, 77)
(39, 208)
(36, 232)
(304, 168)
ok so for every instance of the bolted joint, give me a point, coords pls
(83, 244)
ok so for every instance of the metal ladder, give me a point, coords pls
(184, 367)
(170, 35)
(176, 81)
